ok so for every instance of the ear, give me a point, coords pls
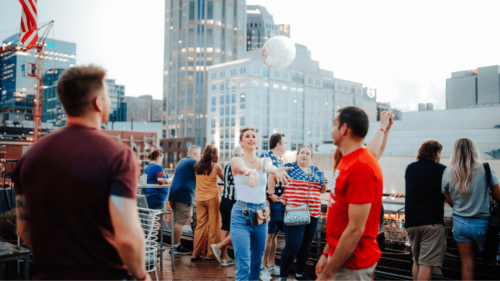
(344, 129)
(98, 104)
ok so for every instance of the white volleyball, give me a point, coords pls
(278, 52)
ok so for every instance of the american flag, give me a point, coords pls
(297, 189)
(29, 26)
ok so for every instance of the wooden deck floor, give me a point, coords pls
(184, 270)
(199, 270)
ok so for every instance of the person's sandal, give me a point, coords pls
(196, 259)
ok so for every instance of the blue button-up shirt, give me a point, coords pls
(277, 162)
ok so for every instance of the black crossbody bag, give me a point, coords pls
(492, 240)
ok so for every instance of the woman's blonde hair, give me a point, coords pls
(464, 160)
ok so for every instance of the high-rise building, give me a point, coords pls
(299, 101)
(198, 34)
(143, 109)
(17, 75)
(118, 106)
(261, 27)
(422, 107)
(53, 111)
(430, 106)
(473, 88)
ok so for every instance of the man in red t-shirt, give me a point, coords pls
(355, 203)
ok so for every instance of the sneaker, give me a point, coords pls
(274, 270)
(216, 252)
(181, 250)
(227, 262)
(302, 277)
(264, 275)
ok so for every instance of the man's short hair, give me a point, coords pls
(78, 86)
(237, 151)
(275, 139)
(355, 119)
(193, 148)
(429, 150)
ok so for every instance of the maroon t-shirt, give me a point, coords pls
(67, 178)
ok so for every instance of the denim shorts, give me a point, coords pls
(277, 213)
(154, 202)
(468, 230)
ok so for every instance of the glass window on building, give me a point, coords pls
(265, 145)
(221, 132)
(210, 6)
(233, 98)
(227, 110)
(232, 133)
(284, 123)
(229, 16)
(256, 120)
(191, 10)
(233, 110)
(221, 123)
(214, 122)
(233, 121)
(242, 121)
(221, 144)
(227, 133)
(218, 12)
(227, 121)
(221, 111)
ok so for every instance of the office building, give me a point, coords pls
(422, 107)
(383, 106)
(430, 106)
(17, 75)
(473, 88)
(143, 109)
(261, 27)
(299, 101)
(198, 34)
(53, 111)
(118, 106)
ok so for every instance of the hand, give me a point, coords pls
(327, 181)
(320, 266)
(391, 121)
(385, 117)
(253, 178)
(282, 176)
(275, 198)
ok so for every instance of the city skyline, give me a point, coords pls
(404, 50)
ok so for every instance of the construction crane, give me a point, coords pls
(38, 75)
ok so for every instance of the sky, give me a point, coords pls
(404, 49)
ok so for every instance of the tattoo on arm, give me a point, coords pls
(21, 208)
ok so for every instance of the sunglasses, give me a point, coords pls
(246, 214)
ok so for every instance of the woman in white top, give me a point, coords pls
(249, 240)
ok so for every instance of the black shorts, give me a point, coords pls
(226, 206)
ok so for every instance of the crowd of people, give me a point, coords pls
(85, 225)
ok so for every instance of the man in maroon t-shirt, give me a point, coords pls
(76, 192)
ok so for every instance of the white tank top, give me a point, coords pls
(245, 193)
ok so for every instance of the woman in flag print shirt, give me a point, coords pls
(306, 181)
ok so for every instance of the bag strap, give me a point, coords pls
(487, 170)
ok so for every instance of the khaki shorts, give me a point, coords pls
(428, 244)
(351, 274)
(182, 212)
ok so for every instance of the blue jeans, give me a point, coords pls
(154, 202)
(468, 230)
(249, 242)
(298, 244)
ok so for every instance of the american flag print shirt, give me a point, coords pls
(277, 162)
(296, 190)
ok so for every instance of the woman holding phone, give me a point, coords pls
(305, 187)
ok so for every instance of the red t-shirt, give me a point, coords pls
(357, 180)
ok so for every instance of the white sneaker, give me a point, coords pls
(264, 275)
(274, 270)
(217, 252)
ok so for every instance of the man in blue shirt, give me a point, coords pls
(277, 144)
(182, 195)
